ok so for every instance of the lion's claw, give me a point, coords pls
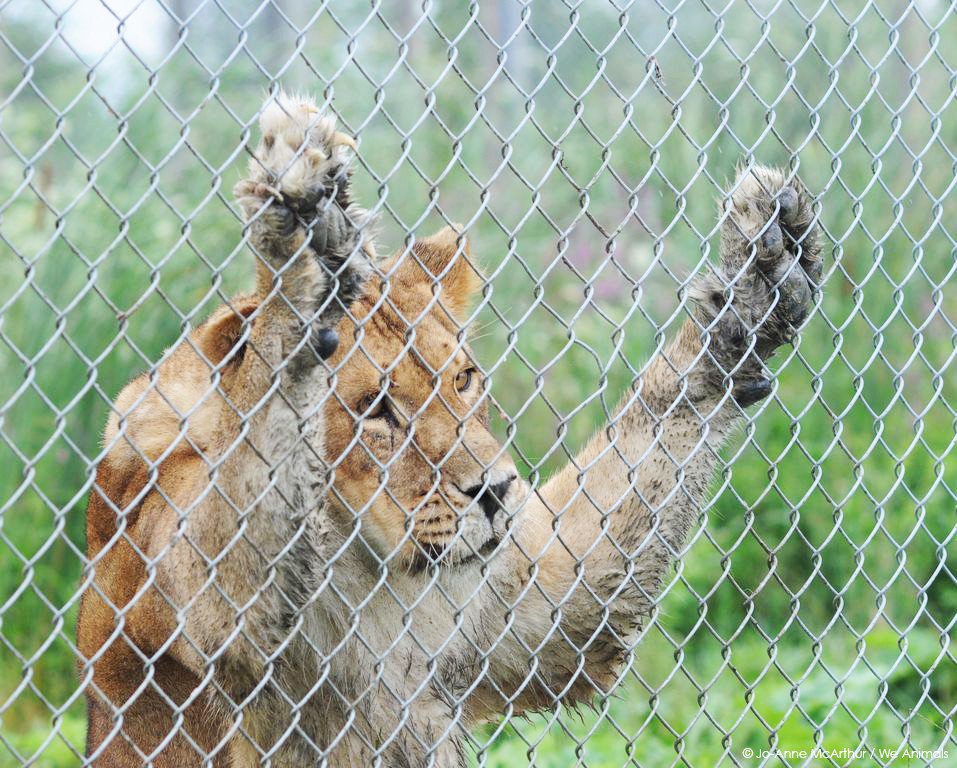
(788, 202)
(752, 391)
(267, 190)
(773, 242)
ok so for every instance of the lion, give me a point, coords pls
(305, 544)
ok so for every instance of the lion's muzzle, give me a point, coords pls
(490, 497)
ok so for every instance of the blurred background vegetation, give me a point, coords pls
(585, 153)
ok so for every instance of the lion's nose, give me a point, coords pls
(491, 496)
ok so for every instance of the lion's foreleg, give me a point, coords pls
(603, 532)
(252, 547)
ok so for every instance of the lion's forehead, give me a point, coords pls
(413, 350)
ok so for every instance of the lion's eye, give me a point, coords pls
(464, 379)
(369, 408)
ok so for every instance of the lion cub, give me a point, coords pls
(307, 548)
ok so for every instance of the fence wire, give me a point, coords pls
(401, 545)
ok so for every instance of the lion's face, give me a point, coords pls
(407, 427)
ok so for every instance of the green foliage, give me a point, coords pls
(834, 516)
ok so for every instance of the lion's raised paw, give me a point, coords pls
(301, 159)
(762, 291)
(770, 240)
(296, 198)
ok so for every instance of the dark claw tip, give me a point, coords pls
(751, 392)
(325, 342)
(773, 241)
(788, 200)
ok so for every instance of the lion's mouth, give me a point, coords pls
(432, 555)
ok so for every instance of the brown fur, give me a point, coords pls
(235, 592)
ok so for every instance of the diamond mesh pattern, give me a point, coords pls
(582, 145)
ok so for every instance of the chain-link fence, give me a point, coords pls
(407, 549)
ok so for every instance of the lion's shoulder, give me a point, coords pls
(165, 419)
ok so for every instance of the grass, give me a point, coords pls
(718, 710)
(834, 516)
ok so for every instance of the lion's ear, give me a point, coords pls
(446, 258)
(216, 337)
